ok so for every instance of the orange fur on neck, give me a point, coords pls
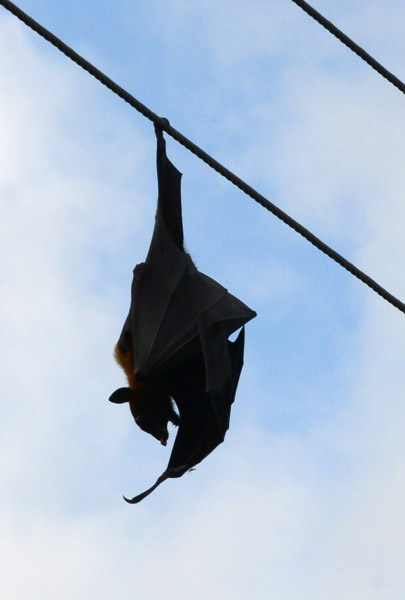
(148, 400)
(145, 391)
(126, 362)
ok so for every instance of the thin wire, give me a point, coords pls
(209, 160)
(374, 64)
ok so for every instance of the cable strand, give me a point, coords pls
(209, 160)
(349, 43)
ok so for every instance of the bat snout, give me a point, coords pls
(162, 436)
(155, 426)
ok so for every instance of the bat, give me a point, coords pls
(174, 343)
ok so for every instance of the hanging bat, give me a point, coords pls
(174, 344)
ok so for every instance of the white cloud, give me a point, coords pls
(58, 222)
(300, 512)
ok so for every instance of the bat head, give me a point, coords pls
(151, 411)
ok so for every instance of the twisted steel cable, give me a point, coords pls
(209, 160)
(372, 62)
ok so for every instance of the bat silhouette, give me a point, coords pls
(174, 344)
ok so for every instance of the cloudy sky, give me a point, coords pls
(304, 500)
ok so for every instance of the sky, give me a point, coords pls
(304, 500)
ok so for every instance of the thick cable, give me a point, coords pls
(209, 160)
(372, 62)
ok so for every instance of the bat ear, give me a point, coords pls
(121, 395)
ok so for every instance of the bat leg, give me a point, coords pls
(140, 497)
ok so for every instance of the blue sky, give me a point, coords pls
(304, 499)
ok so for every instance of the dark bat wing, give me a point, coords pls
(178, 324)
(205, 401)
(204, 394)
(169, 295)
